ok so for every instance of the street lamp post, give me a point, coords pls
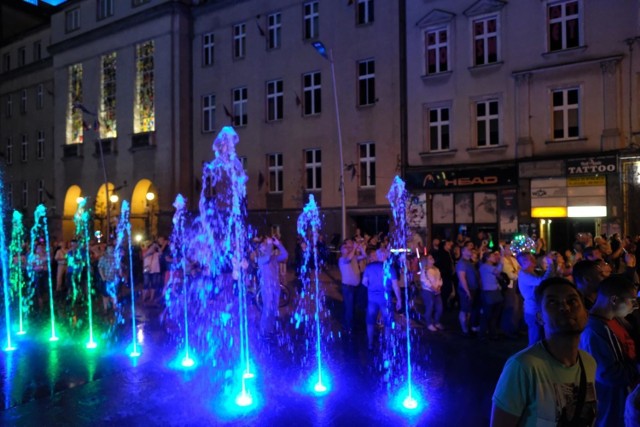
(328, 55)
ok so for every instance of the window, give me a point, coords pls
(40, 145)
(364, 12)
(275, 173)
(25, 194)
(439, 126)
(239, 40)
(485, 40)
(313, 166)
(8, 109)
(208, 113)
(22, 56)
(437, 50)
(564, 25)
(40, 96)
(72, 20)
(105, 9)
(312, 93)
(75, 128)
(136, 3)
(240, 106)
(6, 62)
(367, 164)
(311, 20)
(366, 82)
(274, 29)
(9, 153)
(107, 125)
(208, 46)
(275, 100)
(566, 108)
(37, 50)
(23, 101)
(24, 149)
(41, 191)
(144, 109)
(487, 123)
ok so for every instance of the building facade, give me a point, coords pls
(522, 115)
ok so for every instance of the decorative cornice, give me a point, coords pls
(484, 6)
(435, 17)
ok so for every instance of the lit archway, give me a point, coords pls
(105, 209)
(144, 210)
(71, 198)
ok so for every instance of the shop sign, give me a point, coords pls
(586, 181)
(463, 178)
(592, 165)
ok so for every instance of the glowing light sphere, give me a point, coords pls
(53, 339)
(320, 388)
(21, 332)
(188, 362)
(523, 243)
(91, 345)
(244, 399)
(410, 403)
(9, 348)
(248, 375)
(134, 354)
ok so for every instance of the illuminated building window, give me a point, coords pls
(313, 167)
(366, 82)
(312, 90)
(439, 132)
(275, 99)
(74, 115)
(107, 119)
(144, 111)
(563, 24)
(367, 164)
(485, 40)
(364, 12)
(566, 112)
(311, 17)
(276, 179)
(436, 47)
(487, 123)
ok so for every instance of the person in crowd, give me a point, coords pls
(468, 285)
(491, 298)
(552, 381)
(351, 255)
(152, 274)
(109, 276)
(75, 266)
(512, 308)
(378, 294)
(587, 275)
(446, 264)
(60, 257)
(528, 281)
(430, 289)
(39, 268)
(611, 345)
(268, 264)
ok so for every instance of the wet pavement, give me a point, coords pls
(63, 383)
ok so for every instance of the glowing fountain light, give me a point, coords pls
(5, 271)
(82, 227)
(123, 231)
(40, 227)
(17, 266)
(178, 241)
(397, 197)
(308, 228)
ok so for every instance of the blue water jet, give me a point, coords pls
(5, 271)
(82, 229)
(123, 235)
(397, 197)
(308, 228)
(17, 268)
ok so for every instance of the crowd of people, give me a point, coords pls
(578, 309)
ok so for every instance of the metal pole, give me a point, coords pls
(335, 100)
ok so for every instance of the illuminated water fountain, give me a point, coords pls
(5, 273)
(81, 219)
(123, 236)
(17, 268)
(40, 230)
(397, 197)
(308, 229)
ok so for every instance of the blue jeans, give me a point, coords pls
(432, 306)
(348, 298)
